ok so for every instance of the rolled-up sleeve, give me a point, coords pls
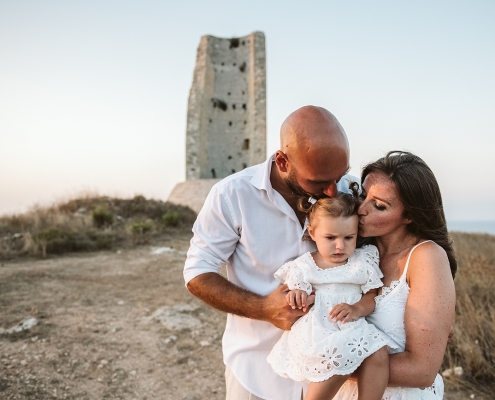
(216, 233)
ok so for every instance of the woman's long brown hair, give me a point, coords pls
(419, 192)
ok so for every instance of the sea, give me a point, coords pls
(472, 226)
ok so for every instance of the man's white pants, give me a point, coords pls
(235, 391)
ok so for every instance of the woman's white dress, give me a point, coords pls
(317, 348)
(389, 317)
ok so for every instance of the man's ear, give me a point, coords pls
(282, 161)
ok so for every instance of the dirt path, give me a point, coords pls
(111, 325)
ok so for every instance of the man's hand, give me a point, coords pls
(221, 294)
(278, 312)
(344, 312)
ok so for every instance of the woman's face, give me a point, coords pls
(381, 211)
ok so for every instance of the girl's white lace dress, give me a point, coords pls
(389, 317)
(316, 348)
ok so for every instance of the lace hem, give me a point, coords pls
(386, 290)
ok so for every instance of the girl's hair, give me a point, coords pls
(342, 205)
(420, 195)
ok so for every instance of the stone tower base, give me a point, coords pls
(192, 193)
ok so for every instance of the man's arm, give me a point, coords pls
(223, 295)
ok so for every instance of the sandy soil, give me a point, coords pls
(111, 325)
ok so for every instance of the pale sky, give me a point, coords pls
(93, 94)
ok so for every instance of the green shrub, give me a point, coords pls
(57, 241)
(171, 218)
(141, 227)
(102, 216)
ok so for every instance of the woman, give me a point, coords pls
(401, 208)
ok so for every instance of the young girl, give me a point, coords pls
(326, 348)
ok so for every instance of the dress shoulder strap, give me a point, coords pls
(409, 256)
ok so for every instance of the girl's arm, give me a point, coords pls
(428, 318)
(350, 312)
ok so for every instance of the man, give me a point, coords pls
(250, 223)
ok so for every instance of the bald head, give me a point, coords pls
(314, 152)
(311, 131)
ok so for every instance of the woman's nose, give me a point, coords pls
(362, 208)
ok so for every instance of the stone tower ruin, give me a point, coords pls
(226, 116)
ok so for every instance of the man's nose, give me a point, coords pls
(331, 191)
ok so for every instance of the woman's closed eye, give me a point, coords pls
(378, 206)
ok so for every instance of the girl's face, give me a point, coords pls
(381, 211)
(335, 237)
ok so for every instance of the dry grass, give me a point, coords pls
(89, 223)
(473, 344)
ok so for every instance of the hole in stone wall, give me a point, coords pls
(213, 173)
(243, 42)
(223, 63)
(234, 43)
(235, 64)
(233, 171)
(228, 93)
(244, 106)
(219, 103)
(210, 120)
(244, 165)
(245, 144)
(242, 67)
(243, 92)
(230, 123)
(229, 157)
(245, 122)
(233, 106)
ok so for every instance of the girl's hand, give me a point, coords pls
(344, 312)
(297, 299)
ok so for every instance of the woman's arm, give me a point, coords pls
(428, 318)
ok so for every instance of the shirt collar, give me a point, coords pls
(261, 179)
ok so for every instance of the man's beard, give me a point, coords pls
(295, 188)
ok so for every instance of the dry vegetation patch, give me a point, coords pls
(88, 224)
(473, 345)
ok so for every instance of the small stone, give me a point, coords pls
(104, 362)
(23, 362)
(133, 372)
(204, 343)
(121, 302)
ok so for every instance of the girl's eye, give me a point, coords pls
(330, 237)
(349, 237)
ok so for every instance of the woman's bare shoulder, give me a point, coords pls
(427, 261)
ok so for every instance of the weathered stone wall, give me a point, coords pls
(226, 119)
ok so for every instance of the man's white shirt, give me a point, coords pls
(247, 226)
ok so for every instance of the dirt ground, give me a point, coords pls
(112, 325)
